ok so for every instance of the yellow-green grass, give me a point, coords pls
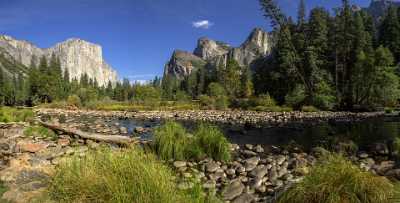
(335, 179)
(128, 175)
(9, 114)
(39, 131)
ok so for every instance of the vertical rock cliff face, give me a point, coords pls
(215, 53)
(77, 56)
(182, 63)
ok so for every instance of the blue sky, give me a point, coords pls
(139, 36)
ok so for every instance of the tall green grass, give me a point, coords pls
(118, 177)
(213, 142)
(336, 179)
(9, 114)
(172, 141)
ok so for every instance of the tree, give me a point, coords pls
(247, 88)
(389, 32)
(230, 78)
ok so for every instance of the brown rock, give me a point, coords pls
(31, 147)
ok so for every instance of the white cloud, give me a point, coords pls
(204, 24)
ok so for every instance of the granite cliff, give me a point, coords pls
(215, 53)
(76, 55)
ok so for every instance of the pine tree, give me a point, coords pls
(247, 87)
(389, 32)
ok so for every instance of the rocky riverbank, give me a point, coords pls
(255, 174)
(227, 117)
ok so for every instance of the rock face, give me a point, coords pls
(182, 64)
(76, 55)
(377, 8)
(216, 53)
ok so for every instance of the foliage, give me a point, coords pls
(117, 176)
(172, 141)
(3, 189)
(39, 131)
(8, 114)
(296, 97)
(336, 179)
(309, 109)
(74, 100)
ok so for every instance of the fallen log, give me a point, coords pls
(115, 139)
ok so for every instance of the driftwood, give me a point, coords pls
(116, 139)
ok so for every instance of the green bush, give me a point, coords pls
(8, 114)
(263, 100)
(39, 131)
(74, 100)
(3, 189)
(336, 179)
(117, 176)
(296, 97)
(172, 141)
(309, 109)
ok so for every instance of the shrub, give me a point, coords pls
(336, 179)
(116, 176)
(74, 100)
(263, 100)
(213, 142)
(221, 103)
(8, 114)
(172, 141)
(309, 109)
(39, 131)
(296, 97)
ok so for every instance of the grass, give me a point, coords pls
(3, 189)
(309, 109)
(39, 131)
(172, 141)
(118, 177)
(9, 114)
(130, 106)
(336, 179)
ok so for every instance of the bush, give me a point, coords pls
(172, 141)
(336, 179)
(296, 97)
(117, 176)
(74, 100)
(221, 103)
(39, 131)
(263, 100)
(309, 109)
(3, 189)
(8, 114)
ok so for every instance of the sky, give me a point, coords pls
(139, 36)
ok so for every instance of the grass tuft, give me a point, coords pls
(172, 141)
(8, 114)
(118, 176)
(336, 179)
(39, 131)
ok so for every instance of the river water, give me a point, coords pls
(305, 136)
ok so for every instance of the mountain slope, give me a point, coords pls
(216, 53)
(77, 56)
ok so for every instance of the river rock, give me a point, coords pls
(233, 190)
(179, 164)
(251, 163)
(259, 172)
(211, 167)
(244, 198)
(31, 147)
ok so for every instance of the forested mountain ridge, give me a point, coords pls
(76, 55)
